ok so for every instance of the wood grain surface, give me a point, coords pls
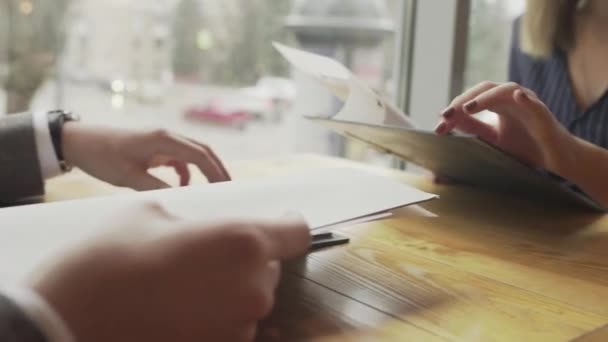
(471, 266)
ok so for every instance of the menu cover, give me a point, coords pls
(367, 116)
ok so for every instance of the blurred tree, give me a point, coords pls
(187, 24)
(489, 41)
(252, 55)
(31, 40)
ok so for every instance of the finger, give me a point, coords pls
(143, 181)
(492, 99)
(531, 94)
(205, 161)
(545, 128)
(454, 113)
(484, 131)
(273, 274)
(187, 152)
(267, 280)
(217, 160)
(531, 102)
(472, 93)
(182, 171)
(539, 117)
(470, 125)
(285, 239)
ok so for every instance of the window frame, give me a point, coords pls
(432, 57)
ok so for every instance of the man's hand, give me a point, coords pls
(122, 157)
(158, 278)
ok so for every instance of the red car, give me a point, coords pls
(268, 99)
(213, 113)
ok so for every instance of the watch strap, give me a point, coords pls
(57, 120)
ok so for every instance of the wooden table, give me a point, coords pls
(471, 266)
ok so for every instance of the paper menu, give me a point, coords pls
(365, 106)
(32, 234)
(361, 103)
(320, 67)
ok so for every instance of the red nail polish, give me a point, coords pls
(469, 106)
(448, 113)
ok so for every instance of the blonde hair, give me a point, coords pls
(547, 25)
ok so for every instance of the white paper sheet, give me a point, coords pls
(365, 106)
(320, 67)
(362, 104)
(366, 219)
(30, 234)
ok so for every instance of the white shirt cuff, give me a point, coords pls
(47, 157)
(40, 313)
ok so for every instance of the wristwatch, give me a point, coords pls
(58, 118)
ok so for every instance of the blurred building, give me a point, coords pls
(353, 31)
(118, 40)
(130, 42)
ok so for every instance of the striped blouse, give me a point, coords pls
(549, 78)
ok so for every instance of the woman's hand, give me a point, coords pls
(123, 157)
(526, 129)
(530, 132)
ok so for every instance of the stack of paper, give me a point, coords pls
(324, 197)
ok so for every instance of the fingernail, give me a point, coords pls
(448, 113)
(469, 106)
(524, 95)
(440, 129)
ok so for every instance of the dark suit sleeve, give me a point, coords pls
(15, 326)
(20, 174)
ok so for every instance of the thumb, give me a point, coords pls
(286, 238)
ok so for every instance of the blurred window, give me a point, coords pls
(203, 68)
(490, 27)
